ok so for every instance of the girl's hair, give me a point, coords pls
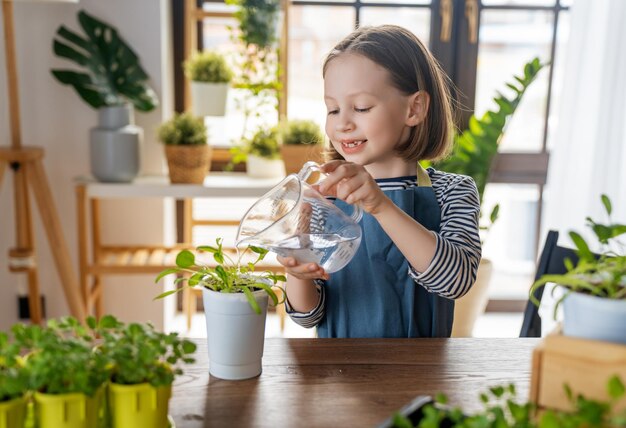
(412, 68)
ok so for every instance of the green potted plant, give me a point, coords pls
(594, 297)
(502, 410)
(235, 305)
(261, 153)
(143, 368)
(68, 376)
(472, 155)
(302, 141)
(113, 82)
(186, 149)
(13, 384)
(210, 76)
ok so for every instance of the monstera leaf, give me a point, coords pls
(112, 72)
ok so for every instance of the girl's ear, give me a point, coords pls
(418, 108)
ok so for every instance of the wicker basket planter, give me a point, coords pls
(188, 164)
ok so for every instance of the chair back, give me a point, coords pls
(552, 261)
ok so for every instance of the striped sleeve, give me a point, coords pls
(452, 271)
(312, 318)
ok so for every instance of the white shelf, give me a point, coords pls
(219, 184)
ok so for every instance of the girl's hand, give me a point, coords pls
(353, 184)
(302, 270)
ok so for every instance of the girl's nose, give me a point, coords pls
(344, 122)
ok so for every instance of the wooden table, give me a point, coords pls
(348, 382)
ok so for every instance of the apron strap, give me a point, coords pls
(423, 179)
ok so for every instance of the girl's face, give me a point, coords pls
(367, 115)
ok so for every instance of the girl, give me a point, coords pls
(388, 108)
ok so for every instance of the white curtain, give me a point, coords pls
(588, 157)
(589, 153)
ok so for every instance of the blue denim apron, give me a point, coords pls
(374, 296)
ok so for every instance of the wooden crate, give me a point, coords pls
(585, 365)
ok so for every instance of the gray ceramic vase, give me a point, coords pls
(115, 145)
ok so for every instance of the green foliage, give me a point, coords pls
(475, 148)
(140, 354)
(113, 71)
(227, 276)
(62, 358)
(13, 373)
(301, 132)
(604, 276)
(264, 143)
(501, 410)
(208, 66)
(257, 21)
(183, 129)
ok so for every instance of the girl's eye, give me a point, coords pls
(333, 112)
(362, 110)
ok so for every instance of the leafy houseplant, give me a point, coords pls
(594, 304)
(188, 154)
(112, 78)
(13, 383)
(501, 410)
(302, 141)
(210, 76)
(235, 305)
(143, 369)
(261, 154)
(472, 155)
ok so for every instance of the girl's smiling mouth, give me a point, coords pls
(352, 146)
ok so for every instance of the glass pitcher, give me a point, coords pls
(294, 220)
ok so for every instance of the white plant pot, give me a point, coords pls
(235, 334)
(596, 318)
(468, 308)
(258, 167)
(208, 99)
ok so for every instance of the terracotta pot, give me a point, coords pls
(296, 155)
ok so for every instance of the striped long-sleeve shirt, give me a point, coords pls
(452, 271)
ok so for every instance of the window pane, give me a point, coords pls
(511, 243)
(519, 2)
(313, 32)
(559, 73)
(415, 19)
(508, 40)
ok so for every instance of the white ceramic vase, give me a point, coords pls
(258, 167)
(235, 334)
(209, 99)
(596, 318)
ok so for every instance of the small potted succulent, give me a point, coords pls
(14, 384)
(261, 154)
(113, 81)
(186, 148)
(302, 141)
(235, 304)
(142, 371)
(594, 298)
(68, 376)
(210, 77)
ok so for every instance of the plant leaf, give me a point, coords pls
(165, 273)
(167, 293)
(607, 203)
(252, 300)
(185, 259)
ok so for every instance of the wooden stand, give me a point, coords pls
(28, 172)
(585, 365)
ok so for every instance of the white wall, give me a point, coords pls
(55, 118)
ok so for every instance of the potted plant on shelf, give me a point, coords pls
(210, 76)
(67, 375)
(302, 141)
(594, 298)
(261, 154)
(13, 384)
(142, 371)
(186, 149)
(472, 155)
(235, 305)
(114, 83)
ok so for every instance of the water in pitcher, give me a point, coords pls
(331, 251)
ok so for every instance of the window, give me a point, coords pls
(480, 44)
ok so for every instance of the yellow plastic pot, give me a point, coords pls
(13, 412)
(141, 405)
(68, 410)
